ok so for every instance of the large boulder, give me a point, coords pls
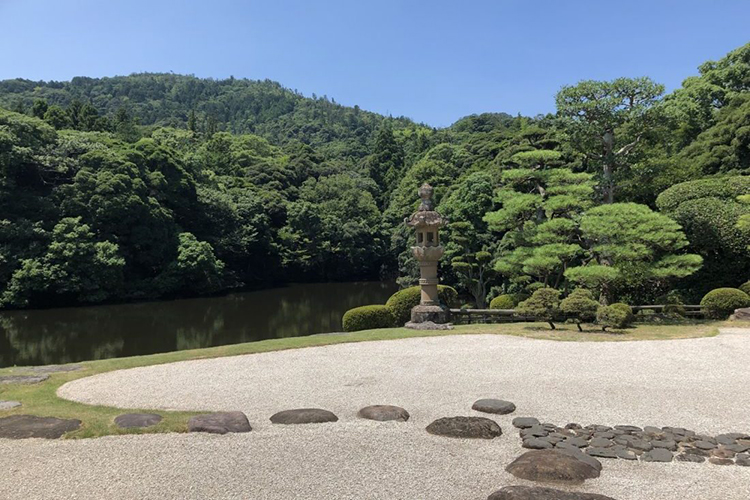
(538, 493)
(304, 416)
(465, 427)
(220, 422)
(554, 466)
(742, 314)
(30, 426)
(384, 413)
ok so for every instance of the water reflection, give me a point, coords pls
(51, 336)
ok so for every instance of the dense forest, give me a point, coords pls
(161, 185)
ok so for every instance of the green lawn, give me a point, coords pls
(41, 399)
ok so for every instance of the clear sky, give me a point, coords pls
(433, 61)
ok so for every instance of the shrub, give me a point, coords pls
(611, 317)
(402, 302)
(629, 316)
(722, 302)
(506, 301)
(544, 304)
(581, 306)
(745, 287)
(367, 318)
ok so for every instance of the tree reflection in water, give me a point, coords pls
(51, 336)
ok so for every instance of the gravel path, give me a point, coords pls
(700, 384)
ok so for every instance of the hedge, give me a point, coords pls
(402, 302)
(506, 301)
(367, 318)
(745, 287)
(629, 316)
(722, 302)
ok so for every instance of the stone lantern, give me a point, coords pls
(428, 251)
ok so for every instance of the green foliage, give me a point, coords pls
(505, 301)
(196, 268)
(368, 318)
(638, 245)
(75, 267)
(612, 317)
(402, 302)
(544, 304)
(580, 306)
(745, 287)
(722, 302)
(630, 317)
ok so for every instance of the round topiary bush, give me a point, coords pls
(722, 302)
(580, 306)
(367, 318)
(505, 301)
(745, 287)
(629, 316)
(611, 317)
(402, 302)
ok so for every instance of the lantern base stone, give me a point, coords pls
(437, 314)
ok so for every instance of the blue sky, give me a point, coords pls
(433, 61)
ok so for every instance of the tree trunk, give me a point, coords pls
(551, 325)
(578, 324)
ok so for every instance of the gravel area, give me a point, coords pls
(700, 384)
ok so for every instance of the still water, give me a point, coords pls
(51, 336)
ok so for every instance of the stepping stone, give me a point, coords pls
(737, 448)
(577, 442)
(219, 423)
(384, 413)
(537, 444)
(626, 454)
(524, 422)
(628, 428)
(23, 379)
(29, 426)
(134, 420)
(538, 493)
(704, 445)
(669, 445)
(56, 368)
(743, 460)
(601, 443)
(304, 416)
(721, 461)
(658, 455)
(465, 427)
(9, 405)
(496, 406)
(688, 457)
(554, 465)
(601, 452)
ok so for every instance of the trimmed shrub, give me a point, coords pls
(611, 317)
(402, 302)
(630, 317)
(722, 302)
(581, 306)
(745, 287)
(367, 318)
(506, 301)
(544, 304)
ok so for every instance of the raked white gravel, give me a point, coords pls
(701, 384)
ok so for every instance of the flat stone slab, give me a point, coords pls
(539, 493)
(304, 416)
(658, 455)
(56, 368)
(465, 427)
(384, 413)
(23, 379)
(496, 406)
(135, 420)
(553, 466)
(9, 405)
(525, 422)
(220, 422)
(30, 426)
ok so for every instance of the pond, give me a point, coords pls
(66, 335)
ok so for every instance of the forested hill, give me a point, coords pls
(239, 106)
(161, 185)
